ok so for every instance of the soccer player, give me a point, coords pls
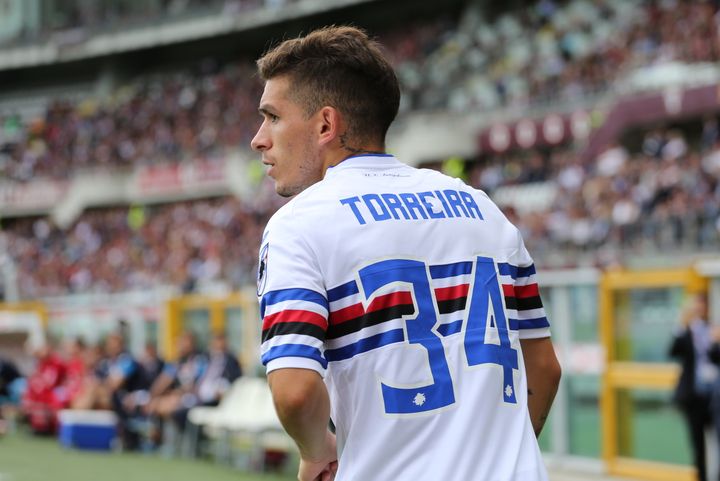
(398, 302)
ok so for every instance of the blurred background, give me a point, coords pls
(131, 210)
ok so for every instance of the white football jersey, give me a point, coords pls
(409, 292)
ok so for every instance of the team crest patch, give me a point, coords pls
(262, 269)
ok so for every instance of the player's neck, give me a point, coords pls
(361, 152)
(339, 155)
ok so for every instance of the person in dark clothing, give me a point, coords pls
(124, 375)
(691, 346)
(222, 370)
(9, 374)
(175, 380)
(714, 355)
(152, 364)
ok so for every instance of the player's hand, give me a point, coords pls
(327, 471)
(322, 468)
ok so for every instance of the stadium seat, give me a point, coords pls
(244, 419)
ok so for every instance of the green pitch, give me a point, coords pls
(25, 458)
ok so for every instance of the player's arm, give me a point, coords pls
(295, 311)
(121, 371)
(115, 381)
(303, 406)
(543, 376)
(163, 382)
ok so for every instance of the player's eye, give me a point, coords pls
(273, 118)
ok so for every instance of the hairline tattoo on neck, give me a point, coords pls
(355, 150)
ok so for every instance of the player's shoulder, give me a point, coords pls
(283, 213)
(293, 216)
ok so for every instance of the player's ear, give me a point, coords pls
(329, 124)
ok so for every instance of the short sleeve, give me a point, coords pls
(293, 302)
(527, 313)
(170, 369)
(123, 367)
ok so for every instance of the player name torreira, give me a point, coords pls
(413, 206)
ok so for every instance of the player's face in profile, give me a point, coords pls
(286, 140)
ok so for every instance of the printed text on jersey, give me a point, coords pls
(437, 204)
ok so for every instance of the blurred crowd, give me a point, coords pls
(187, 244)
(550, 50)
(667, 194)
(664, 195)
(185, 117)
(553, 51)
(71, 21)
(148, 394)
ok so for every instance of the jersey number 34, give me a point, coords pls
(485, 307)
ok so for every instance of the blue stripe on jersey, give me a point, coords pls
(450, 270)
(364, 345)
(294, 350)
(537, 323)
(450, 328)
(506, 269)
(296, 294)
(342, 291)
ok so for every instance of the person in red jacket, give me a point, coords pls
(75, 369)
(44, 394)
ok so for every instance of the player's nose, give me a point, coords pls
(261, 141)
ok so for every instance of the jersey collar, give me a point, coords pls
(364, 161)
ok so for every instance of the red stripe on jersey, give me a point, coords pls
(381, 302)
(521, 292)
(346, 313)
(530, 290)
(453, 292)
(295, 315)
(390, 300)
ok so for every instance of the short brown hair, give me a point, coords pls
(340, 67)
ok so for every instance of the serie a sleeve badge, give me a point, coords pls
(262, 269)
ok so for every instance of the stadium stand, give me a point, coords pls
(182, 244)
(168, 120)
(666, 195)
(76, 19)
(442, 64)
(189, 116)
(145, 183)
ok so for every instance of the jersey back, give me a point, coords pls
(409, 292)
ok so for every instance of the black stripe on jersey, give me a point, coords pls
(305, 328)
(369, 319)
(451, 305)
(523, 303)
